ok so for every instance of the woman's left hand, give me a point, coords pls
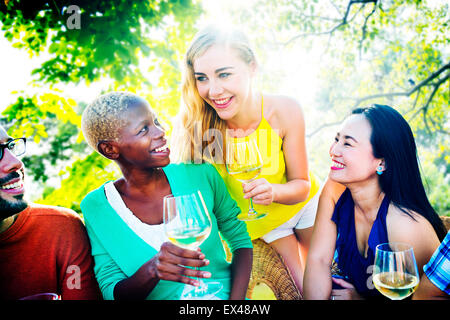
(348, 293)
(260, 190)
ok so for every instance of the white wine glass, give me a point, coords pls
(395, 272)
(187, 224)
(244, 163)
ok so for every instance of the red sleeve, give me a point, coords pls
(76, 265)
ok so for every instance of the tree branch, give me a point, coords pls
(425, 82)
(417, 88)
(325, 125)
(424, 109)
(364, 27)
(342, 22)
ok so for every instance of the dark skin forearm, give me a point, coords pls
(136, 287)
(169, 264)
(241, 267)
(139, 285)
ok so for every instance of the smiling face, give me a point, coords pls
(352, 154)
(11, 181)
(224, 80)
(142, 142)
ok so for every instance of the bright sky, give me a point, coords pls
(15, 75)
(16, 65)
(15, 69)
(299, 66)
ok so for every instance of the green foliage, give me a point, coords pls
(81, 177)
(50, 121)
(386, 52)
(437, 185)
(112, 35)
(370, 52)
(136, 44)
(28, 113)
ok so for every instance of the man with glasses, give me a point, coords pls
(43, 249)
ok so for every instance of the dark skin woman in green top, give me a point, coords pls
(141, 152)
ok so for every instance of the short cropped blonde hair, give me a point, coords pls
(104, 117)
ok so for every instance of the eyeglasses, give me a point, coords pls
(16, 146)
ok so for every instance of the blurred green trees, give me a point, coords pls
(108, 45)
(392, 52)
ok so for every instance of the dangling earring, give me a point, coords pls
(379, 170)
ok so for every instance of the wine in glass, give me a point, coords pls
(395, 272)
(244, 163)
(187, 224)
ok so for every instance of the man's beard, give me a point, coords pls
(8, 207)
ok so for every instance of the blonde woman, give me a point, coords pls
(220, 103)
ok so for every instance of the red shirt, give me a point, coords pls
(47, 250)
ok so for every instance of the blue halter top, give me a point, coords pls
(356, 268)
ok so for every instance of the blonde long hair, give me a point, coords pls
(198, 127)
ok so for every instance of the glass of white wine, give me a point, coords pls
(187, 224)
(244, 163)
(395, 272)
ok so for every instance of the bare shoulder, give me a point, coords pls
(282, 111)
(332, 191)
(411, 227)
(412, 219)
(329, 196)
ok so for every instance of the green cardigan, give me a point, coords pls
(119, 252)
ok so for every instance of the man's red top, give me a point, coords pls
(47, 250)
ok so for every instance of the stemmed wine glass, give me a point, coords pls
(395, 272)
(243, 162)
(187, 224)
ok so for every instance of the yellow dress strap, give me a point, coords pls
(264, 124)
(274, 171)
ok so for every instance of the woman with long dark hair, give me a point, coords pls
(374, 195)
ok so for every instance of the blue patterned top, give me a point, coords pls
(438, 268)
(356, 268)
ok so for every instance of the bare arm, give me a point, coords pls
(241, 267)
(289, 117)
(317, 281)
(428, 291)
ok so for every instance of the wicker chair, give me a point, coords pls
(270, 269)
(446, 221)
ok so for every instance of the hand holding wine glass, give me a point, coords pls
(395, 273)
(244, 163)
(172, 262)
(260, 191)
(187, 224)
